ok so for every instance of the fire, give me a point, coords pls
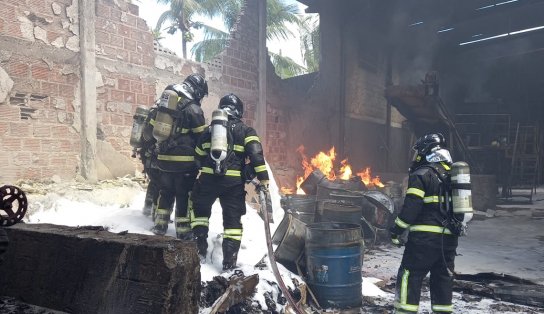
(324, 161)
(367, 179)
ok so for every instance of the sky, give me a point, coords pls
(151, 11)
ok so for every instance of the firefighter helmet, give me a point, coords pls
(232, 105)
(427, 143)
(198, 85)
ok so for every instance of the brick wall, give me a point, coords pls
(39, 133)
(39, 50)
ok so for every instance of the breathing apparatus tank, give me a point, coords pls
(138, 125)
(164, 121)
(219, 143)
(461, 190)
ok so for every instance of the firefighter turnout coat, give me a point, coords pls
(431, 247)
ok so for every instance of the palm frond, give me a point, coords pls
(285, 67)
(206, 50)
(278, 15)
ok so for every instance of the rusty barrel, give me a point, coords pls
(334, 260)
(338, 211)
(291, 247)
(300, 206)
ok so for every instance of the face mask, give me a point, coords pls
(439, 155)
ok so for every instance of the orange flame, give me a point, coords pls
(324, 161)
(367, 179)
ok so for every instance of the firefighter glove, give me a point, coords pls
(397, 240)
(264, 185)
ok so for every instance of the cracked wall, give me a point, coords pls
(40, 76)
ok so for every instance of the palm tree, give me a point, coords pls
(285, 67)
(181, 13)
(278, 15)
(309, 42)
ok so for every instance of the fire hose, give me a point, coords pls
(266, 214)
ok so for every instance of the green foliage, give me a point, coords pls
(182, 15)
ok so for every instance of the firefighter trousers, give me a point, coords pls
(152, 192)
(231, 194)
(174, 187)
(418, 260)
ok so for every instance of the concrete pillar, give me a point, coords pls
(260, 116)
(87, 19)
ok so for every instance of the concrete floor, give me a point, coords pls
(510, 245)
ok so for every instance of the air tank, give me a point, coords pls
(164, 121)
(219, 142)
(138, 124)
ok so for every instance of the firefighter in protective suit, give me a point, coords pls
(225, 179)
(176, 159)
(431, 245)
(148, 156)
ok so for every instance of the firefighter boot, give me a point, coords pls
(201, 237)
(183, 228)
(148, 205)
(230, 253)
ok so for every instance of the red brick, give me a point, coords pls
(13, 29)
(116, 41)
(142, 25)
(129, 97)
(132, 20)
(136, 86)
(40, 72)
(66, 90)
(66, 146)
(110, 51)
(57, 161)
(116, 119)
(42, 131)
(122, 54)
(50, 145)
(123, 84)
(136, 58)
(50, 88)
(137, 34)
(31, 173)
(102, 10)
(11, 144)
(31, 144)
(60, 131)
(142, 99)
(102, 37)
(52, 36)
(18, 69)
(115, 14)
(10, 113)
(40, 159)
(37, 5)
(129, 44)
(116, 95)
(123, 30)
(7, 12)
(19, 129)
(133, 9)
(148, 61)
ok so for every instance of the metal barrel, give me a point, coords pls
(334, 261)
(301, 207)
(291, 247)
(338, 211)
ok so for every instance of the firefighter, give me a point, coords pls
(175, 157)
(431, 245)
(222, 152)
(148, 156)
